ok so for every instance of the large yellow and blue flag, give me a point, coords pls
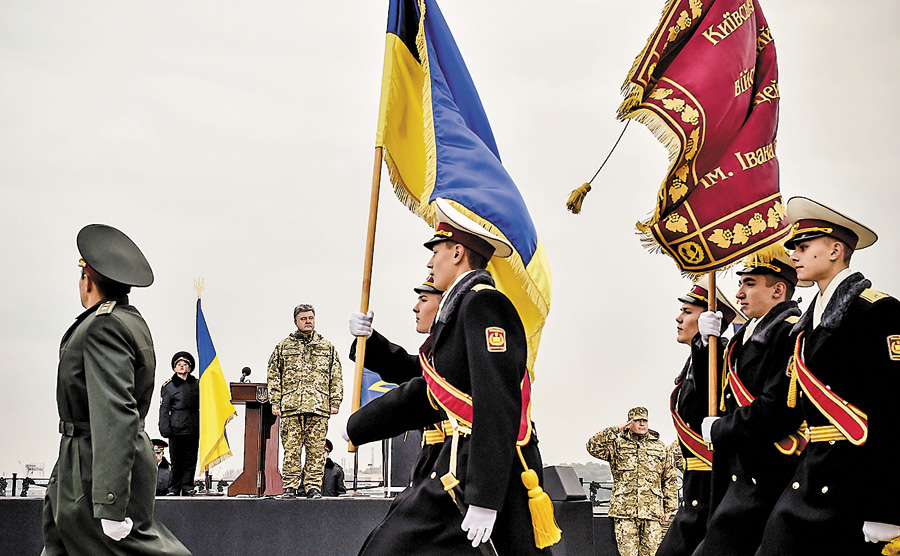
(437, 143)
(373, 387)
(216, 409)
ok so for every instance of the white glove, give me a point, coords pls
(479, 523)
(706, 428)
(360, 324)
(875, 531)
(116, 530)
(344, 434)
(710, 324)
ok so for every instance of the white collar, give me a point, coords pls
(749, 328)
(825, 296)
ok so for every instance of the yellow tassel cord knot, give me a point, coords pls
(546, 530)
(577, 197)
(892, 548)
(792, 389)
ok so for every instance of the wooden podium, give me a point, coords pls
(260, 476)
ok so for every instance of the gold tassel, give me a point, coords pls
(792, 389)
(892, 548)
(546, 530)
(577, 197)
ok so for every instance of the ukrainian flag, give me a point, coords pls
(216, 409)
(373, 387)
(437, 142)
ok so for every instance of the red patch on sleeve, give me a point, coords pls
(894, 347)
(496, 338)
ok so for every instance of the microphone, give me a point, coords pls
(245, 372)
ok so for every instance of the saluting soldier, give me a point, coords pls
(477, 380)
(689, 404)
(102, 488)
(755, 442)
(845, 375)
(645, 486)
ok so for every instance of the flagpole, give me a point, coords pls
(713, 351)
(366, 283)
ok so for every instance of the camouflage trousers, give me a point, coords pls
(305, 431)
(637, 537)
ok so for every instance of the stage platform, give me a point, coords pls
(222, 526)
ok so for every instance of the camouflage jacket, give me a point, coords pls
(644, 480)
(305, 375)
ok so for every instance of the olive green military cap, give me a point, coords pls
(114, 256)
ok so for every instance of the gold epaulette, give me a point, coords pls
(105, 308)
(872, 296)
(792, 319)
(479, 287)
(164, 383)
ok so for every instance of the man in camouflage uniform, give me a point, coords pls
(644, 482)
(305, 389)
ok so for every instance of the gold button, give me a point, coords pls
(753, 479)
(110, 497)
(734, 478)
(831, 442)
(433, 474)
(728, 396)
(795, 486)
(694, 503)
(828, 387)
(824, 489)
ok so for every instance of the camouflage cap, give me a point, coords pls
(638, 413)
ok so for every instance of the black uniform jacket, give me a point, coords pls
(390, 361)
(179, 407)
(749, 472)
(423, 518)
(689, 525)
(837, 486)
(106, 467)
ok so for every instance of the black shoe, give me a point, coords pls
(301, 492)
(313, 493)
(289, 492)
(171, 494)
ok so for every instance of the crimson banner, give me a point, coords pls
(706, 85)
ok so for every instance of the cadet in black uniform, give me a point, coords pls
(179, 421)
(754, 452)
(845, 375)
(689, 405)
(475, 375)
(102, 489)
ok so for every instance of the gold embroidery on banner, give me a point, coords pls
(775, 214)
(763, 38)
(767, 94)
(741, 233)
(744, 81)
(752, 159)
(894, 347)
(731, 22)
(691, 252)
(677, 223)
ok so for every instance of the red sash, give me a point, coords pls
(690, 439)
(459, 404)
(847, 418)
(792, 443)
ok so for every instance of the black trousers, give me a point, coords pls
(183, 448)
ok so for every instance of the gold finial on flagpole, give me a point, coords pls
(199, 284)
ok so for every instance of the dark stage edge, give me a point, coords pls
(220, 526)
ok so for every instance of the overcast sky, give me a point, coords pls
(233, 141)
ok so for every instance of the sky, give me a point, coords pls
(234, 142)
